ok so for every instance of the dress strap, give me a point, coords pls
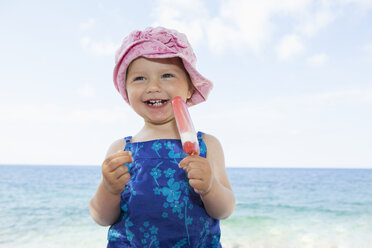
(128, 143)
(128, 147)
(202, 146)
(200, 135)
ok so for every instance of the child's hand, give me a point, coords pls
(199, 172)
(115, 174)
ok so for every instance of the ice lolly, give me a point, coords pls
(185, 127)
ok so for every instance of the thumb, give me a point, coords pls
(128, 152)
(183, 163)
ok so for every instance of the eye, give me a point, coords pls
(167, 75)
(139, 78)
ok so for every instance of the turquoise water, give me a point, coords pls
(47, 206)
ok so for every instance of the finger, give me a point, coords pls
(124, 177)
(109, 160)
(121, 170)
(196, 184)
(119, 161)
(197, 191)
(195, 174)
(184, 167)
(183, 163)
(197, 167)
(194, 159)
(118, 154)
(191, 166)
(189, 159)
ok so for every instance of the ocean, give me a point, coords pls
(47, 206)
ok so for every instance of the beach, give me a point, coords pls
(47, 206)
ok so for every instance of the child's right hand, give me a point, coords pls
(115, 173)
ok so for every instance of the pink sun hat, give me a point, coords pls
(159, 42)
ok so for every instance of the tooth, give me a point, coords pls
(156, 102)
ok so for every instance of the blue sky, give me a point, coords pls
(293, 78)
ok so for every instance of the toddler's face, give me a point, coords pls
(152, 83)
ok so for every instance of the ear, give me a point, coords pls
(189, 94)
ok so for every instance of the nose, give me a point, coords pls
(153, 86)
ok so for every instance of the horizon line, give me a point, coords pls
(232, 167)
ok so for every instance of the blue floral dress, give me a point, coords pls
(159, 208)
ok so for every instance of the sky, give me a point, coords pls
(292, 79)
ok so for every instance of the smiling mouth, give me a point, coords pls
(156, 103)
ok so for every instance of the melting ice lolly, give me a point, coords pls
(185, 127)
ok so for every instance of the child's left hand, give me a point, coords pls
(199, 172)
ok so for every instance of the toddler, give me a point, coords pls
(152, 194)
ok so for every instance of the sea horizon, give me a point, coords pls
(47, 206)
(232, 167)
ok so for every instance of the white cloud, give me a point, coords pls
(236, 24)
(99, 48)
(350, 97)
(289, 46)
(360, 3)
(316, 21)
(240, 24)
(185, 16)
(87, 24)
(220, 35)
(318, 59)
(85, 42)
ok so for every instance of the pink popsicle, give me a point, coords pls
(185, 127)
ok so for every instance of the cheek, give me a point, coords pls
(132, 92)
(180, 90)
